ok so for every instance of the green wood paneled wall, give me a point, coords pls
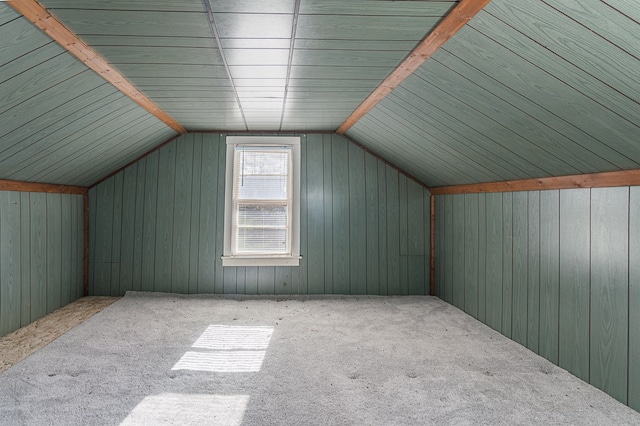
(158, 225)
(556, 271)
(41, 251)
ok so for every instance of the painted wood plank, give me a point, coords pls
(302, 283)
(182, 216)
(38, 255)
(634, 298)
(417, 236)
(609, 331)
(365, 7)
(394, 285)
(25, 258)
(93, 226)
(78, 242)
(65, 249)
(229, 280)
(104, 237)
(114, 286)
(129, 188)
(372, 218)
(575, 284)
(429, 222)
(471, 254)
(549, 273)
(439, 246)
(533, 271)
(403, 215)
(283, 280)
(147, 279)
(315, 217)
(416, 213)
(196, 168)
(10, 267)
(327, 179)
(340, 186)
(251, 280)
(363, 27)
(416, 275)
(458, 236)
(482, 258)
(207, 252)
(494, 258)
(241, 276)
(507, 264)
(357, 221)
(448, 249)
(567, 95)
(139, 225)
(221, 147)
(383, 220)
(266, 279)
(520, 267)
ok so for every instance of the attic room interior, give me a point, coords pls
(319, 212)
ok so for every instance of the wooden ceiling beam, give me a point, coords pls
(456, 19)
(14, 185)
(43, 19)
(592, 180)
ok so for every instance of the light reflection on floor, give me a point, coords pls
(178, 409)
(230, 349)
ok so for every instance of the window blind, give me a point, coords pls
(262, 200)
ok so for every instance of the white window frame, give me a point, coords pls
(293, 259)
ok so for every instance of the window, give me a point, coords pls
(262, 201)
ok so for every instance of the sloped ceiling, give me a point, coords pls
(528, 88)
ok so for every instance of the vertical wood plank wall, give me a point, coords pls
(560, 275)
(41, 249)
(158, 225)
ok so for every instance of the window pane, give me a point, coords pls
(262, 188)
(262, 240)
(262, 215)
(261, 174)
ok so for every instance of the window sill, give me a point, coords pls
(260, 260)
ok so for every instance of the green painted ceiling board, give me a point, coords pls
(135, 23)
(26, 62)
(364, 27)
(564, 71)
(209, 72)
(403, 123)
(52, 120)
(339, 72)
(251, 25)
(376, 7)
(605, 21)
(188, 93)
(264, 72)
(67, 149)
(73, 158)
(348, 58)
(160, 55)
(148, 41)
(493, 107)
(457, 117)
(573, 42)
(188, 83)
(48, 100)
(18, 38)
(321, 83)
(320, 44)
(382, 143)
(630, 8)
(37, 79)
(537, 82)
(251, 6)
(257, 56)
(129, 5)
(451, 134)
(7, 14)
(262, 82)
(470, 66)
(78, 120)
(255, 43)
